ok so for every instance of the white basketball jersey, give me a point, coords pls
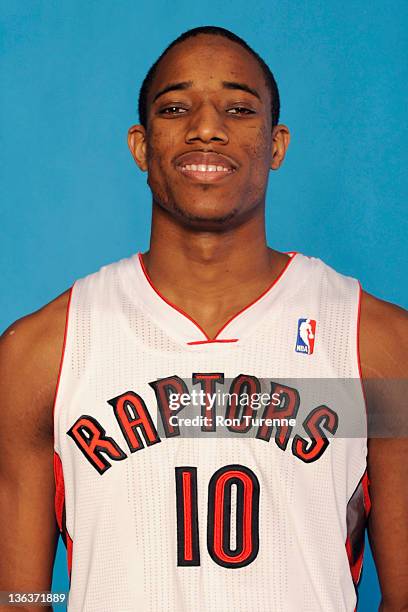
(249, 507)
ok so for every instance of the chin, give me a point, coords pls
(203, 219)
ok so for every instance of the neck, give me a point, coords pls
(210, 274)
(197, 262)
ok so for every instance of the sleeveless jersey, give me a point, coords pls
(251, 508)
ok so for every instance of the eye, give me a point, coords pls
(172, 110)
(240, 110)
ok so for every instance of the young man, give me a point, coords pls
(242, 515)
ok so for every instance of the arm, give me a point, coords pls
(30, 352)
(383, 350)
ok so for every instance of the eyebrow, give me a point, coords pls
(242, 87)
(173, 87)
(188, 84)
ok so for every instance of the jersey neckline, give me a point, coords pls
(178, 323)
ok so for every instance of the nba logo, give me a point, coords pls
(306, 333)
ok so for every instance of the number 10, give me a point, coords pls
(219, 516)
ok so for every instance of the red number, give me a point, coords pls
(219, 518)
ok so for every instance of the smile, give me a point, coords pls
(205, 166)
(205, 173)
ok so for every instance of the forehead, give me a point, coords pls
(207, 60)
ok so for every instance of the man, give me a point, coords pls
(254, 518)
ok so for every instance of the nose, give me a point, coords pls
(206, 125)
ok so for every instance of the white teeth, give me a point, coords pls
(205, 168)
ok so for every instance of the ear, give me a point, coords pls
(137, 145)
(280, 143)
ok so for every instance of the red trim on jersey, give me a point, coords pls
(212, 341)
(62, 352)
(366, 480)
(168, 301)
(59, 499)
(70, 546)
(187, 509)
(356, 567)
(219, 516)
(59, 506)
(208, 339)
(366, 493)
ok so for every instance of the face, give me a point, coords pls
(209, 144)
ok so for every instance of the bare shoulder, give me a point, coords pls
(383, 350)
(383, 338)
(37, 338)
(30, 354)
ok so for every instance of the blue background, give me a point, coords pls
(73, 199)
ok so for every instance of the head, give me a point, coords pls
(209, 131)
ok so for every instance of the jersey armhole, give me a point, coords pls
(366, 479)
(60, 372)
(360, 373)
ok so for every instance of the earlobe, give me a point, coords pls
(280, 143)
(137, 145)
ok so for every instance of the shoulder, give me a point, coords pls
(383, 350)
(30, 354)
(36, 332)
(383, 338)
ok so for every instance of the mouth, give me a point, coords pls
(206, 167)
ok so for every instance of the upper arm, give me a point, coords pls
(383, 350)
(30, 352)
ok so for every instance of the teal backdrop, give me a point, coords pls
(73, 200)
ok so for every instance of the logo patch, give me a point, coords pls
(306, 334)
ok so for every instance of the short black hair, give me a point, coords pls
(217, 31)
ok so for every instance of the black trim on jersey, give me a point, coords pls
(131, 405)
(242, 382)
(226, 511)
(162, 389)
(97, 451)
(181, 529)
(356, 529)
(309, 446)
(63, 530)
(291, 402)
(204, 379)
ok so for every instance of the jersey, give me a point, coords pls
(224, 474)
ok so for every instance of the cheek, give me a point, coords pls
(160, 146)
(260, 146)
(154, 150)
(160, 142)
(257, 146)
(258, 151)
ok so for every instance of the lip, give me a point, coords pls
(206, 158)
